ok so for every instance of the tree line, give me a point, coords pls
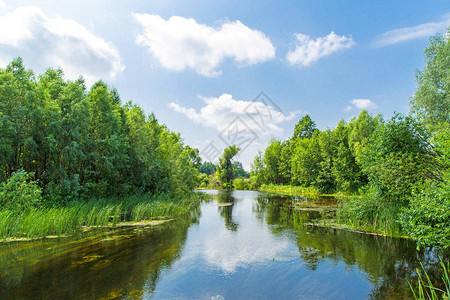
(400, 166)
(71, 142)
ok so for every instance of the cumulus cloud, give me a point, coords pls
(180, 43)
(227, 114)
(57, 42)
(360, 104)
(308, 50)
(405, 34)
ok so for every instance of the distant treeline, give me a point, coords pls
(400, 166)
(72, 142)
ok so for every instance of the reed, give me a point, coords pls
(427, 290)
(68, 219)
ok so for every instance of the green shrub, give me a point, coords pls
(19, 193)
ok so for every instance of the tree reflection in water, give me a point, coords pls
(227, 211)
(390, 263)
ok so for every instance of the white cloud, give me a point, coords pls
(360, 104)
(225, 113)
(181, 43)
(308, 50)
(57, 42)
(401, 35)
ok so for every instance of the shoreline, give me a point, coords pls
(144, 223)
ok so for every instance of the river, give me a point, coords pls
(257, 247)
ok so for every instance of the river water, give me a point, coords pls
(258, 247)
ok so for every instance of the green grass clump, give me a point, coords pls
(369, 214)
(426, 289)
(68, 219)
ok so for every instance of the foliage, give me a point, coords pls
(241, 184)
(19, 193)
(68, 219)
(225, 172)
(305, 128)
(398, 158)
(207, 168)
(427, 219)
(81, 143)
(431, 101)
(426, 289)
(257, 167)
(239, 171)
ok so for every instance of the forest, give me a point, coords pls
(71, 157)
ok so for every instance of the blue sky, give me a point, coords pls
(199, 65)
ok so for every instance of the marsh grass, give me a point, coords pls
(63, 220)
(367, 214)
(426, 289)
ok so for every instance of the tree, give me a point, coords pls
(225, 167)
(304, 128)
(306, 159)
(239, 171)
(431, 101)
(207, 168)
(427, 219)
(398, 158)
(257, 170)
(272, 160)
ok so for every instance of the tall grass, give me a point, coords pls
(45, 221)
(369, 214)
(426, 289)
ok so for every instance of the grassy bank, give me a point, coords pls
(69, 219)
(289, 189)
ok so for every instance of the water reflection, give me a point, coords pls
(226, 209)
(259, 246)
(106, 264)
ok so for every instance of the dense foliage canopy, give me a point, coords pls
(72, 142)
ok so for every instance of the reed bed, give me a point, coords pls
(69, 219)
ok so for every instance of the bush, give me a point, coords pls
(19, 193)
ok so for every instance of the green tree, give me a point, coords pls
(257, 170)
(427, 219)
(304, 128)
(272, 156)
(207, 168)
(225, 167)
(399, 157)
(431, 102)
(306, 160)
(239, 171)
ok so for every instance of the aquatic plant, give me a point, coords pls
(68, 219)
(426, 289)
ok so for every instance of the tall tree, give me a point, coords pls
(431, 101)
(304, 128)
(225, 167)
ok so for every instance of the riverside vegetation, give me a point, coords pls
(72, 157)
(397, 169)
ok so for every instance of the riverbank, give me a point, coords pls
(293, 190)
(137, 210)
